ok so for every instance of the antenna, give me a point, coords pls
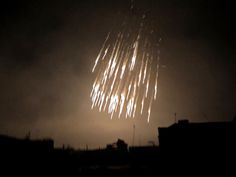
(204, 116)
(28, 135)
(133, 133)
(175, 117)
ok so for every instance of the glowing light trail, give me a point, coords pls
(127, 69)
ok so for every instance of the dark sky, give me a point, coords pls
(47, 50)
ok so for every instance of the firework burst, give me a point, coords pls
(126, 70)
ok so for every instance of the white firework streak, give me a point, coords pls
(99, 55)
(124, 67)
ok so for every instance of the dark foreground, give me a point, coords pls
(185, 149)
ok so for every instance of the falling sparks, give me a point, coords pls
(127, 69)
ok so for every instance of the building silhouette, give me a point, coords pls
(198, 145)
(24, 156)
(183, 147)
(120, 145)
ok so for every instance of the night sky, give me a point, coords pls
(48, 48)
